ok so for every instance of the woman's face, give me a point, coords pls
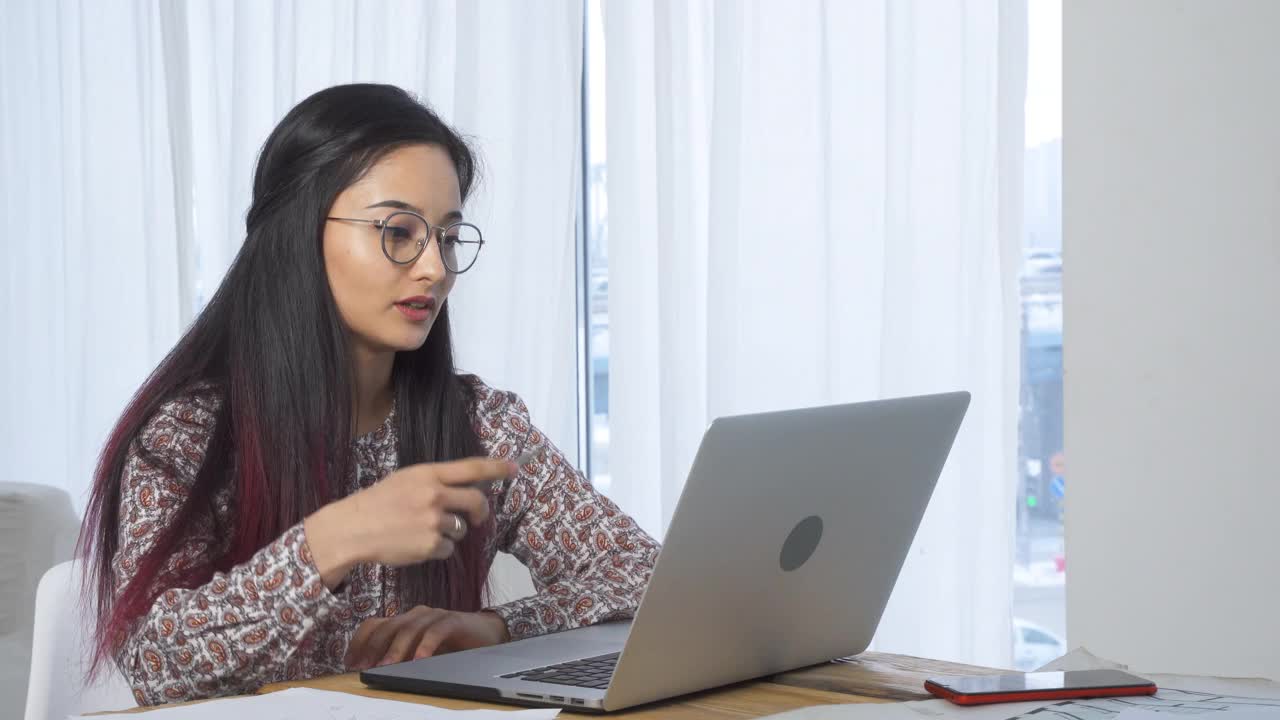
(376, 297)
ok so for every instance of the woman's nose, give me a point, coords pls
(430, 264)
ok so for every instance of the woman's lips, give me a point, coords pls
(415, 314)
(417, 308)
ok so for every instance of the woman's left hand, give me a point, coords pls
(421, 632)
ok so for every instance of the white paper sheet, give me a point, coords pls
(1169, 702)
(1238, 713)
(309, 704)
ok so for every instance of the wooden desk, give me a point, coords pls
(870, 677)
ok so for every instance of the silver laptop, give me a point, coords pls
(782, 552)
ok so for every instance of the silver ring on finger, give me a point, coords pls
(459, 527)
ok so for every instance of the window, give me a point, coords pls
(597, 265)
(1039, 569)
(1039, 559)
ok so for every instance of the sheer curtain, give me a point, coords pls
(813, 203)
(90, 252)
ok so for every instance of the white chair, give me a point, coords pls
(15, 660)
(508, 580)
(37, 531)
(59, 654)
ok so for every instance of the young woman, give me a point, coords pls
(306, 485)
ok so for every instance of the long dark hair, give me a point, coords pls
(271, 344)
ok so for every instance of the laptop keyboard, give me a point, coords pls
(592, 672)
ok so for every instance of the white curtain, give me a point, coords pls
(813, 203)
(90, 256)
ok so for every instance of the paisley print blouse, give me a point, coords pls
(272, 619)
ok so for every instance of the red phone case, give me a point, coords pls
(1064, 694)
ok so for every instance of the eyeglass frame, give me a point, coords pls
(422, 246)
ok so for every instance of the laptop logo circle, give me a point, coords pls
(801, 543)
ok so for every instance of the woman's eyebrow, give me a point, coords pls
(450, 217)
(397, 204)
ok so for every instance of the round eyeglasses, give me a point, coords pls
(405, 236)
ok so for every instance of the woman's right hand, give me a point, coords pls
(408, 517)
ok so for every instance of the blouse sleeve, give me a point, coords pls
(589, 561)
(257, 623)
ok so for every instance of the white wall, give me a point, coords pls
(1172, 242)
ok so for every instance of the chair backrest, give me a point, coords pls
(508, 580)
(38, 530)
(59, 653)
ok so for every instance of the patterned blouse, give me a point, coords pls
(272, 619)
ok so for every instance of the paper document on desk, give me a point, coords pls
(309, 704)
(1236, 713)
(1180, 695)
(1168, 703)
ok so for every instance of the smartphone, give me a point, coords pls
(983, 689)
